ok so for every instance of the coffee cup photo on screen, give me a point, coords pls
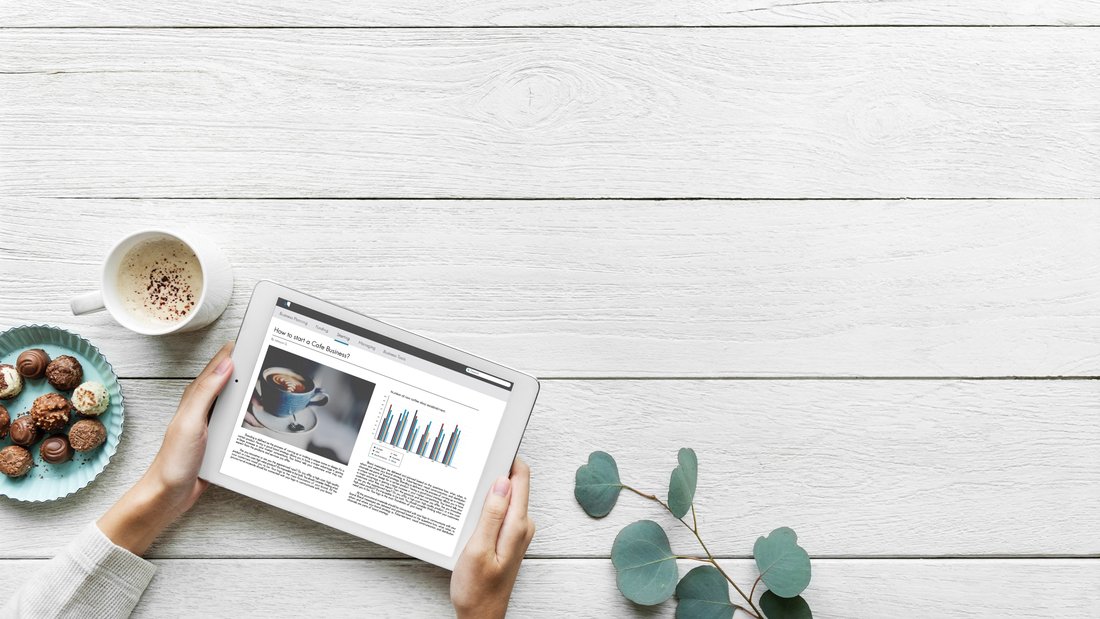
(304, 404)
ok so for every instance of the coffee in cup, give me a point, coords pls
(156, 282)
(160, 281)
(286, 381)
(284, 392)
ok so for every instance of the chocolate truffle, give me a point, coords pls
(11, 383)
(64, 373)
(15, 461)
(23, 431)
(5, 422)
(56, 449)
(51, 412)
(87, 434)
(32, 363)
(91, 399)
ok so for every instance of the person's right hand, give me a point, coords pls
(482, 582)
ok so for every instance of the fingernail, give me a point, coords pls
(501, 487)
(223, 367)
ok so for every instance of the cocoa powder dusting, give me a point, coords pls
(168, 292)
(161, 280)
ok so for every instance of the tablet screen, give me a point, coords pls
(365, 427)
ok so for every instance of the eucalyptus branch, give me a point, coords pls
(646, 565)
(755, 612)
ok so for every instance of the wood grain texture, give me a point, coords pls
(798, 113)
(70, 13)
(608, 288)
(849, 589)
(581, 588)
(858, 468)
(992, 484)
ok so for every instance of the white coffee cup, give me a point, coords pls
(217, 285)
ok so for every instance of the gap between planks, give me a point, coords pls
(564, 198)
(561, 27)
(545, 557)
(747, 378)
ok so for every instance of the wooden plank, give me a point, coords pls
(208, 13)
(609, 288)
(681, 112)
(858, 468)
(840, 588)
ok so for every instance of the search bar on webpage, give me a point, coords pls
(490, 378)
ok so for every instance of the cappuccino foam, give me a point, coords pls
(160, 281)
(289, 382)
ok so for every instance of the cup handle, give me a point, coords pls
(87, 303)
(320, 398)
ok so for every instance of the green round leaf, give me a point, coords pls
(775, 607)
(645, 563)
(598, 484)
(784, 566)
(703, 594)
(681, 486)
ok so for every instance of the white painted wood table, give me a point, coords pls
(849, 251)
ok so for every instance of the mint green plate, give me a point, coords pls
(46, 482)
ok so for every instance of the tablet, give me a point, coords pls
(362, 426)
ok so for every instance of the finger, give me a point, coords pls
(200, 394)
(514, 531)
(200, 487)
(492, 516)
(521, 488)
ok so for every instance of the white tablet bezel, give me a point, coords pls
(253, 334)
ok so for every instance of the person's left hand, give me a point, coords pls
(175, 470)
(171, 485)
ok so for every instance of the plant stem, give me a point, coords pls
(714, 562)
(651, 497)
(755, 612)
(752, 592)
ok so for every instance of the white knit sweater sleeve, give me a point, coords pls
(91, 577)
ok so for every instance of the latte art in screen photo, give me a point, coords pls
(289, 382)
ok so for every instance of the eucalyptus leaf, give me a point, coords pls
(597, 484)
(784, 566)
(645, 564)
(703, 594)
(681, 486)
(775, 607)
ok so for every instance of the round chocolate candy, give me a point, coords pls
(15, 461)
(23, 431)
(56, 449)
(32, 363)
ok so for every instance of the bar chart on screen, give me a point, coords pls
(419, 429)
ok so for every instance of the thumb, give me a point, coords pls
(492, 516)
(201, 393)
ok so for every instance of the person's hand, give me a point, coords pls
(174, 473)
(482, 582)
(171, 484)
